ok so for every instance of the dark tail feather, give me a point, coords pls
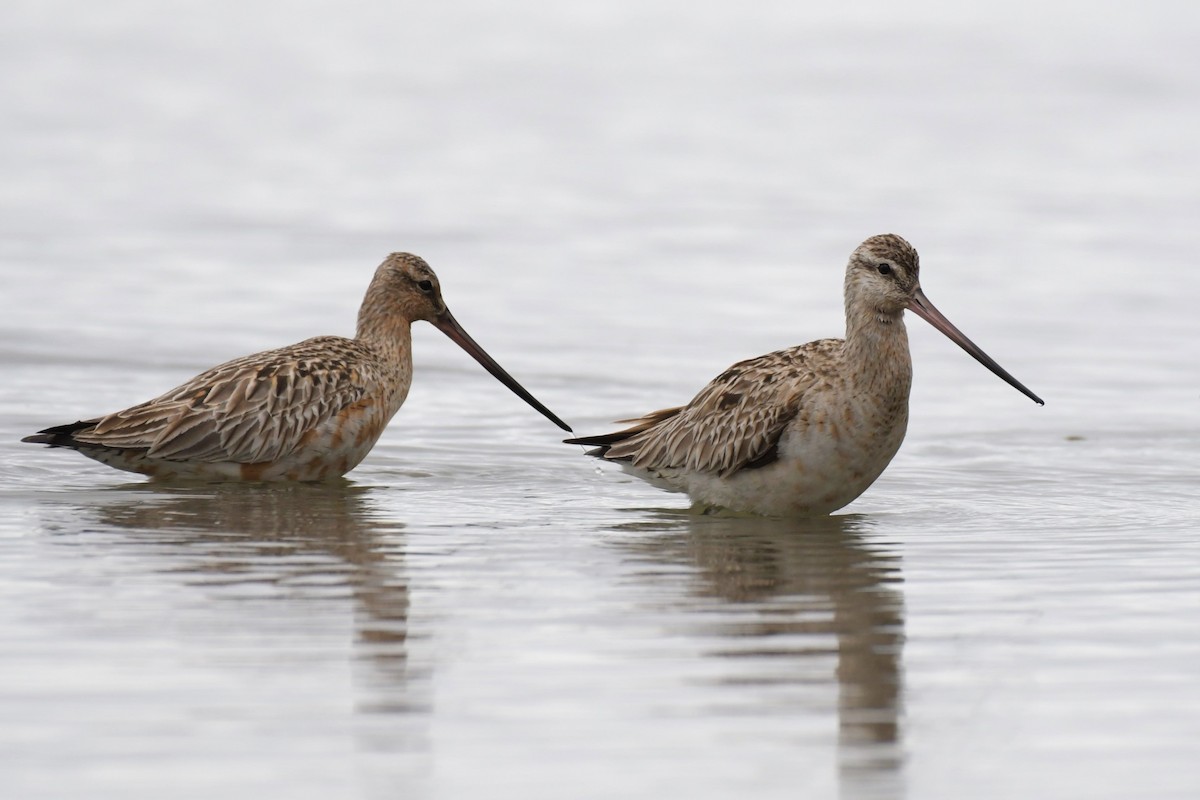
(601, 443)
(603, 440)
(60, 435)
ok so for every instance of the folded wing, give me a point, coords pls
(250, 410)
(734, 423)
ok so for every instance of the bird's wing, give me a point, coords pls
(249, 410)
(735, 422)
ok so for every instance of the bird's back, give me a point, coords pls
(255, 410)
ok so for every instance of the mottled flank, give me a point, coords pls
(805, 430)
(307, 412)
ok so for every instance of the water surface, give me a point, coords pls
(620, 201)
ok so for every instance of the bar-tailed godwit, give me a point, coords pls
(806, 430)
(307, 412)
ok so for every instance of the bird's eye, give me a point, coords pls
(884, 269)
(425, 286)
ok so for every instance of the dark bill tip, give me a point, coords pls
(926, 310)
(448, 325)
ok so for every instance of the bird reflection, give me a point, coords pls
(796, 593)
(309, 541)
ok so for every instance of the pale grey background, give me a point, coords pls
(621, 199)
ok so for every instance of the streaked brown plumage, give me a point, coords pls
(804, 430)
(309, 411)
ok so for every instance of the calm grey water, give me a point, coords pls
(621, 199)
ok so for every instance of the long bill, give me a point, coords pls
(448, 325)
(926, 310)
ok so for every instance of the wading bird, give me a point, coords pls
(307, 412)
(806, 430)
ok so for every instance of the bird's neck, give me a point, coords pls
(384, 330)
(877, 351)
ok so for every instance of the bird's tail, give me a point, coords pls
(603, 442)
(60, 435)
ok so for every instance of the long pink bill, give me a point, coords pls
(448, 325)
(926, 310)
